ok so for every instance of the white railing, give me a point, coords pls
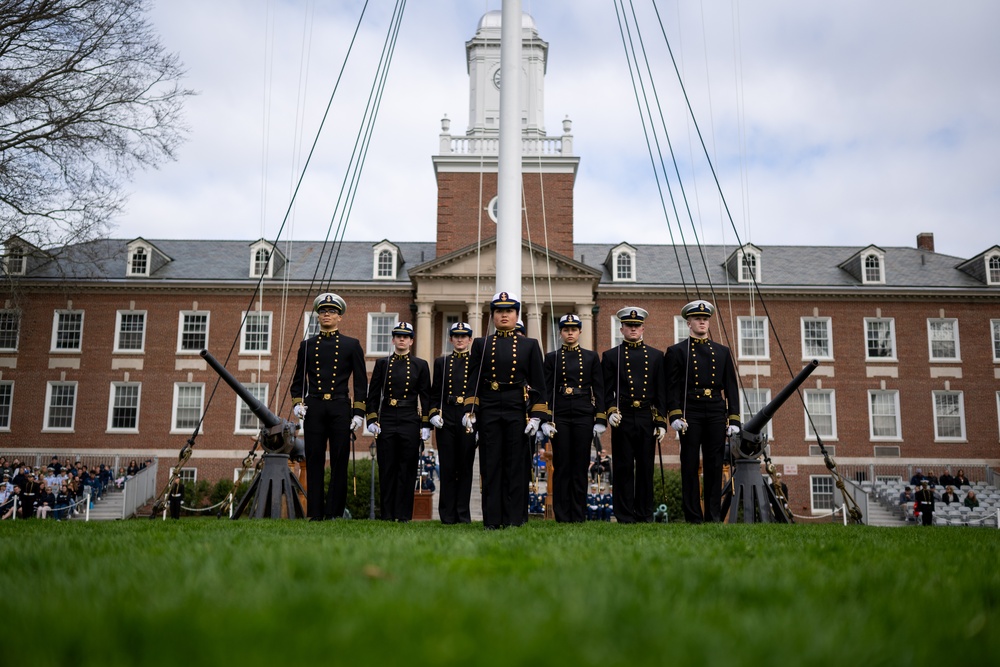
(530, 146)
(139, 489)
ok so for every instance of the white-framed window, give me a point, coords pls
(749, 266)
(380, 333)
(14, 262)
(255, 336)
(623, 266)
(448, 319)
(246, 421)
(60, 406)
(753, 338)
(998, 412)
(10, 329)
(6, 403)
(993, 270)
(942, 339)
(311, 325)
(817, 338)
(260, 263)
(880, 338)
(616, 332)
(949, 416)
(995, 328)
(192, 331)
(883, 415)
(189, 398)
(681, 330)
(130, 331)
(67, 331)
(123, 407)
(821, 492)
(385, 258)
(753, 402)
(873, 268)
(138, 261)
(248, 475)
(822, 409)
(189, 476)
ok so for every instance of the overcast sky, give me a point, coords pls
(831, 123)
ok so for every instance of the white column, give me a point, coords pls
(425, 330)
(475, 315)
(588, 338)
(533, 320)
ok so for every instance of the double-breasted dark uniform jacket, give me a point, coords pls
(456, 447)
(504, 370)
(633, 386)
(576, 394)
(703, 390)
(925, 505)
(326, 367)
(399, 401)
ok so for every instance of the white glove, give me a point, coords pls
(732, 429)
(437, 421)
(425, 433)
(660, 433)
(299, 410)
(615, 418)
(678, 425)
(357, 422)
(599, 429)
(468, 420)
(532, 426)
(549, 429)
(539, 438)
(374, 428)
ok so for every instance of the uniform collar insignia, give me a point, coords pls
(699, 340)
(629, 343)
(505, 334)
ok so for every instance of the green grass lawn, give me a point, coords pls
(206, 591)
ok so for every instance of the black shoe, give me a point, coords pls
(315, 518)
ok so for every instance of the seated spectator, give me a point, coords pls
(971, 500)
(63, 501)
(960, 479)
(918, 476)
(946, 479)
(133, 468)
(7, 509)
(55, 465)
(45, 502)
(949, 496)
(120, 479)
(931, 478)
(906, 497)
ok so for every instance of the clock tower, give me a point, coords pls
(466, 166)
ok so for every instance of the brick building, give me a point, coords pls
(99, 342)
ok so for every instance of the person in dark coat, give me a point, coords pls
(398, 406)
(504, 369)
(176, 497)
(325, 366)
(576, 393)
(634, 396)
(703, 400)
(455, 445)
(949, 496)
(925, 503)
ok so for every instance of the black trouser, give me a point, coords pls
(574, 420)
(504, 457)
(398, 449)
(705, 437)
(632, 447)
(327, 421)
(456, 455)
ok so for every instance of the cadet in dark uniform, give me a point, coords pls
(398, 423)
(176, 497)
(925, 503)
(325, 364)
(634, 397)
(576, 390)
(502, 367)
(702, 398)
(456, 446)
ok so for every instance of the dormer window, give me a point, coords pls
(993, 270)
(262, 259)
(622, 263)
(749, 265)
(138, 262)
(385, 260)
(15, 260)
(873, 268)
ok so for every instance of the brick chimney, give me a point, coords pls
(925, 241)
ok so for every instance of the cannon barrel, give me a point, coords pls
(756, 424)
(268, 418)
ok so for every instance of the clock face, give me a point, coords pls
(496, 78)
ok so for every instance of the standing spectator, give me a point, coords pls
(949, 496)
(456, 446)
(398, 423)
(635, 398)
(704, 404)
(971, 500)
(505, 370)
(325, 366)
(925, 503)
